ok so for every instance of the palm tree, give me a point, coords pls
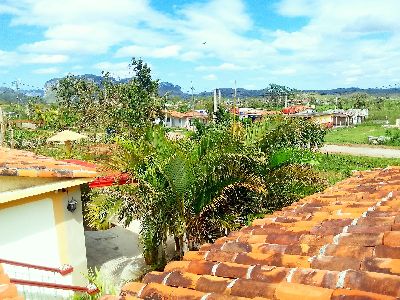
(197, 190)
(181, 186)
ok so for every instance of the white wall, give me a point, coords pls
(41, 231)
(75, 237)
(28, 233)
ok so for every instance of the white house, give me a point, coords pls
(183, 120)
(41, 216)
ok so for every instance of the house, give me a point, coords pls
(342, 243)
(252, 113)
(341, 119)
(41, 214)
(183, 120)
(323, 118)
(348, 117)
(358, 115)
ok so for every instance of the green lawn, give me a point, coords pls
(355, 134)
(336, 167)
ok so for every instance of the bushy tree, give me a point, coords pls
(275, 94)
(124, 106)
(360, 100)
(138, 104)
(292, 132)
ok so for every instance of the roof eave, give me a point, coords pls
(9, 196)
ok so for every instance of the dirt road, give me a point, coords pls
(362, 151)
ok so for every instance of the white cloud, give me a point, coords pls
(210, 77)
(162, 52)
(218, 35)
(88, 27)
(12, 58)
(46, 71)
(284, 71)
(44, 59)
(221, 67)
(117, 70)
(339, 35)
(8, 58)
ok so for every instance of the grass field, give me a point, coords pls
(355, 134)
(336, 167)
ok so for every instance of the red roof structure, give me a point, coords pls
(109, 180)
(341, 244)
(28, 164)
(294, 109)
(115, 178)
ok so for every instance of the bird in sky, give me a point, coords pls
(204, 43)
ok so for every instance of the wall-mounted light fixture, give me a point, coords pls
(72, 203)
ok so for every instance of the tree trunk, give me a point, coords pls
(177, 245)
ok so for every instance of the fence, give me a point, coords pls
(41, 282)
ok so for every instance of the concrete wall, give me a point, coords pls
(324, 119)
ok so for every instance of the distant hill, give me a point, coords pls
(163, 88)
(170, 89)
(229, 93)
(10, 95)
(350, 90)
(166, 88)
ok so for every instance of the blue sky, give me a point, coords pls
(306, 44)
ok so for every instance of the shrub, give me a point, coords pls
(291, 183)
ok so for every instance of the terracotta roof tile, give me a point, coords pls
(27, 164)
(343, 243)
(8, 291)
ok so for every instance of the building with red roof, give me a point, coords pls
(41, 219)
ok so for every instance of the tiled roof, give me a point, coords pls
(7, 290)
(189, 114)
(27, 164)
(343, 243)
(294, 109)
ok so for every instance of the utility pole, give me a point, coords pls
(192, 88)
(234, 106)
(215, 105)
(2, 129)
(16, 90)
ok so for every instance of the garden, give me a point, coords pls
(195, 189)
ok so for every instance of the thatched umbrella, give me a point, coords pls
(66, 137)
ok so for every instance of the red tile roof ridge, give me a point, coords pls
(28, 164)
(342, 243)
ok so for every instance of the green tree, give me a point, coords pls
(197, 190)
(138, 104)
(360, 100)
(126, 106)
(182, 187)
(292, 132)
(275, 94)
